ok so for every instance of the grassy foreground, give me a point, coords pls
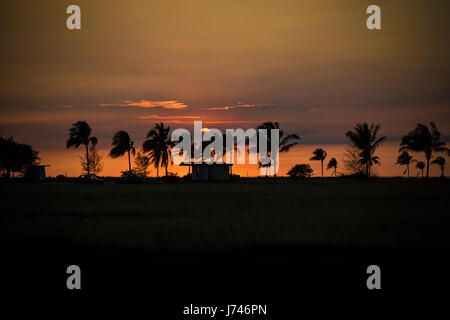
(381, 213)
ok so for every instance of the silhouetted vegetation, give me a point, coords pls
(158, 146)
(405, 159)
(122, 144)
(440, 161)
(424, 139)
(300, 171)
(332, 164)
(319, 155)
(364, 138)
(95, 162)
(352, 162)
(16, 157)
(286, 141)
(420, 165)
(80, 134)
(142, 164)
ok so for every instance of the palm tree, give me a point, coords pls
(319, 154)
(404, 159)
(424, 139)
(80, 134)
(122, 143)
(158, 146)
(332, 164)
(364, 138)
(440, 161)
(420, 165)
(287, 141)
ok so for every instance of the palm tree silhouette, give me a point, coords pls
(319, 154)
(80, 134)
(332, 164)
(420, 165)
(287, 141)
(424, 139)
(122, 143)
(440, 161)
(405, 159)
(158, 146)
(364, 138)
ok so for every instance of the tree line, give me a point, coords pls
(16, 157)
(359, 159)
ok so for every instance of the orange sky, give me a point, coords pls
(311, 65)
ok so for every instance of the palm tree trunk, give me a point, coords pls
(166, 169)
(321, 164)
(157, 172)
(407, 169)
(274, 168)
(129, 161)
(428, 166)
(87, 159)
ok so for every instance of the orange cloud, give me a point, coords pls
(232, 121)
(170, 104)
(171, 119)
(239, 105)
(190, 119)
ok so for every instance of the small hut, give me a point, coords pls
(36, 172)
(207, 172)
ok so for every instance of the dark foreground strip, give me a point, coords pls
(285, 282)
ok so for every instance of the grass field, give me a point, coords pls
(355, 214)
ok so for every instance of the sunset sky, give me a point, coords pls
(311, 65)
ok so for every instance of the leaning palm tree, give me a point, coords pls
(405, 159)
(122, 144)
(424, 139)
(332, 164)
(286, 141)
(79, 134)
(440, 161)
(319, 155)
(158, 146)
(420, 165)
(364, 138)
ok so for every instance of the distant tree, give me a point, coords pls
(440, 161)
(142, 164)
(16, 157)
(319, 155)
(332, 164)
(352, 161)
(122, 144)
(300, 171)
(364, 138)
(158, 146)
(80, 134)
(287, 141)
(95, 162)
(265, 165)
(405, 159)
(420, 165)
(424, 139)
